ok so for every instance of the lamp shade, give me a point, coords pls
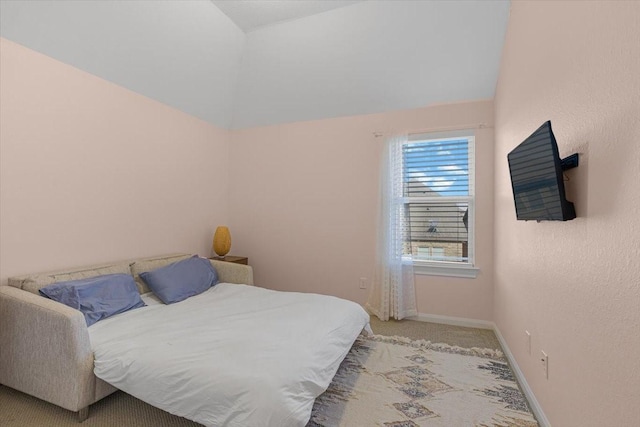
(222, 241)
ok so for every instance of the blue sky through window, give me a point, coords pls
(440, 165)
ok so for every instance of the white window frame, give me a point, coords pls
(449, 268)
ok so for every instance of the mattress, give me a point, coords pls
(235, 355)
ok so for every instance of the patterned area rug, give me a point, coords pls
(396, 382)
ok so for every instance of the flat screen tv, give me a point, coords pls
(537, 179)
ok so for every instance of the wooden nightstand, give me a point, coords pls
(234, 259)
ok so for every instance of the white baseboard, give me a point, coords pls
(484, 324)
(531, 398)
(455, 321)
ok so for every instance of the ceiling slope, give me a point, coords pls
(252, 14)
(185, 54)
(370, 57)
(367, 57)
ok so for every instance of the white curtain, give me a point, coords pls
(393, 291)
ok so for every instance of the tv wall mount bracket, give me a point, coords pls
(570, 162)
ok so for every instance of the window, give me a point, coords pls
(438, 197)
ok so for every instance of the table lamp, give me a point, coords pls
(222, 241)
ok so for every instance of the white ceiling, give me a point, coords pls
(370, 57)
(252, 14)
(367, 57)
(185, 54)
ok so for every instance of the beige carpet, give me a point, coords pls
(119, 409)
(453, 335)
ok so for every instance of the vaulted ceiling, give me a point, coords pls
(252, 14)
(240, 64)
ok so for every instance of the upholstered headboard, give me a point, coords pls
(227, 272)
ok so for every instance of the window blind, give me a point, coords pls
(436, 168)
(438, 196)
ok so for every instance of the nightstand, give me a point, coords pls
(234, 259)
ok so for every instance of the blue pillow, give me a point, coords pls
(97, 297)
(181, 280)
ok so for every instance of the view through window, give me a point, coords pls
(438, 190)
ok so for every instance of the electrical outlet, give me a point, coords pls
(544, 359)
(528, 342)
(363, 283)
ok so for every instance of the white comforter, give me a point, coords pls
(234, 355)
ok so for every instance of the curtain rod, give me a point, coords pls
(378, 134)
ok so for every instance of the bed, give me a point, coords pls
(234, 355)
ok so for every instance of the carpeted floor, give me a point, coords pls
(437, 333)
(119, 409)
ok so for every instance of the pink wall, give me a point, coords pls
(91, 172)
(303, 204)
(576, 285)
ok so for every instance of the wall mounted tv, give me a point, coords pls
(537, 179)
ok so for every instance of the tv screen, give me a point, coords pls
(536, 178)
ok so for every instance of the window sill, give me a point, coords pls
(445, 269)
